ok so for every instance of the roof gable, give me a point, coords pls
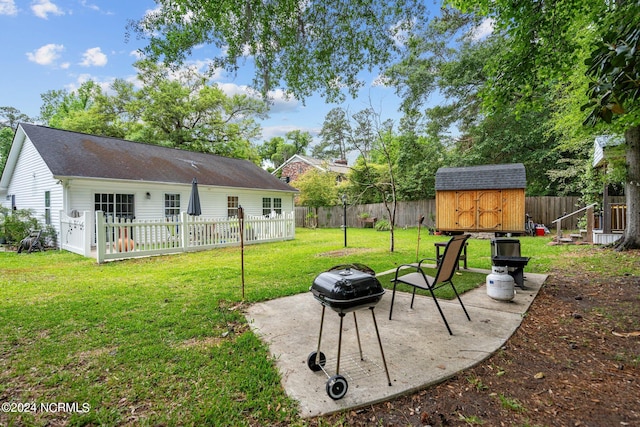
(485, 177)
(601, 145)
(323, 165)
(73, 154)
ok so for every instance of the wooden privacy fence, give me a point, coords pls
(543, 210)
(122, 238)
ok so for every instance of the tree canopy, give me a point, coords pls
(180, 109)
(546, 42)
(304, 46)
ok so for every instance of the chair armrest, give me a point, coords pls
(427, 259)
(402, 266)
(417, 269)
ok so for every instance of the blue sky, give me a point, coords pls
(58, 44)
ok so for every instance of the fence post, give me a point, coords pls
(183, 225)
(101, 244)
(87, 232)
(589, 236)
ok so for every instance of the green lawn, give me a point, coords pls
(163, 341)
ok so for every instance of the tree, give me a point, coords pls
(615, 67)
(278, 150)
(542, 50)
(178, 109)
(6, 138)
(334, 136)
(59, 105)
(10, 117)
(446, 59)
(306, 46)
(182, 110)
(317, 189)
(418, 160)
(375, 172)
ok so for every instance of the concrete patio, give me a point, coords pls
(418, 349)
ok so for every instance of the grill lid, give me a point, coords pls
(344, 288)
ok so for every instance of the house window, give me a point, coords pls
(270, 205)
(232, 206)
(47, 207)
(171, 205)
(115, 205)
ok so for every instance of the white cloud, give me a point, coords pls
(483, 30)
(137, 54)
(42, 9)
(8, 7)
(94, 57)
(46, 55)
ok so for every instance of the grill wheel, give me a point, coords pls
(337, 387)
(316, 364)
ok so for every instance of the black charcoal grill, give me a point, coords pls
(344, 289)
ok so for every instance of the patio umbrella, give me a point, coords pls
(194, 208)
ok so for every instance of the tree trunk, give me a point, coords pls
(631, 238)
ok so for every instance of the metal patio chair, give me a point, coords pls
(444, 275)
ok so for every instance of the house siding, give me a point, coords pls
(31, 165)
(81, 197)
(32, 178)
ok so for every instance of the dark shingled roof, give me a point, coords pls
(72, 154)
(487, 177)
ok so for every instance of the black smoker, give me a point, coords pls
(345, 288)
(506, 253)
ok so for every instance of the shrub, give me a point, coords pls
(15, 225)
(382, 225)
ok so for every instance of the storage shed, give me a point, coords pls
(487, 198)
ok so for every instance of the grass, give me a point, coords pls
(511, 403)
(163, 340)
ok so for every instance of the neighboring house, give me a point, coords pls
(297, 165)
(612, 221)
(56, 172)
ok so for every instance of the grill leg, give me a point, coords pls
(320, 337)
(358, 335)
(339, 344)
(384, 361)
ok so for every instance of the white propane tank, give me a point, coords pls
(500, 285)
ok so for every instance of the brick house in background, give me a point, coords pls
(297, 165)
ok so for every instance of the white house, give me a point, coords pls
(56, 172)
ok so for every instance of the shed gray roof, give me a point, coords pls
(487, 177)
(72, 154)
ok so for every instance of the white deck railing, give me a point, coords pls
(120, 238)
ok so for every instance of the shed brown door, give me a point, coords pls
(489, 210)
(466, 210)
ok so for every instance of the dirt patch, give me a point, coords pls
(344, 252)
(574, 361)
